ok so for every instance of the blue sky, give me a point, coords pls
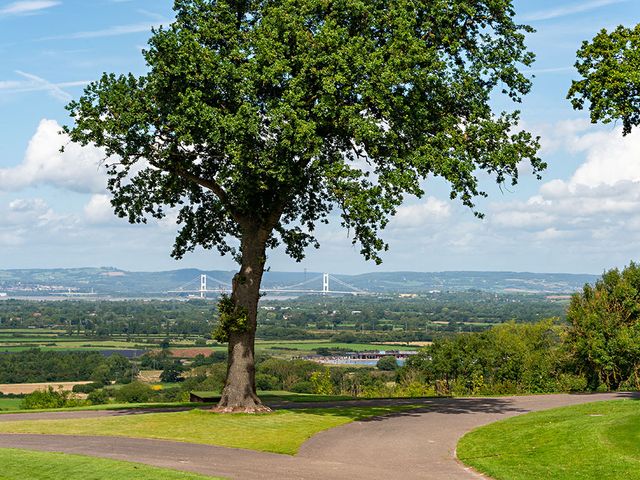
(584, 216)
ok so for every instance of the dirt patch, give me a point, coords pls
(191, 352)
(149, 376)
(25, 388)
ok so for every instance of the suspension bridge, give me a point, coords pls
(202, 286)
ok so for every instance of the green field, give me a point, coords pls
(278, 432)
(19, 465)
(9, 403)
(589, 442)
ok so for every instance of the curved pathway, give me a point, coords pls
(417, 444)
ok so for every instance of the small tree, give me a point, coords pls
(610, 70)
(604, 336)
(258, 118)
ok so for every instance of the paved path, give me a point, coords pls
(418, 444)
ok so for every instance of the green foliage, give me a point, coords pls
(321, 382)
(262, 114)
(266, 382)
(86, 387)
(34, 366)
(388, 363)
(98, 397)
(604, 337)
(232, 318)
(303, 386)
(509, 358)
(134, 392)
(172, 373)
(49, 398)
(610, 69)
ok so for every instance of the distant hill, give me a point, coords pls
(115, 282)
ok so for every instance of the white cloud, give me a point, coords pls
(77, 168)
(419, 215)
(27, 7)
(599, 202)
(99, 209)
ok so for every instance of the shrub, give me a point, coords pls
(50, 398)
(98, 397)
(321, 382)
(388, 363)
(302, 387)
(135, 392)
(172, 373)
(267, 382)
(86, 387)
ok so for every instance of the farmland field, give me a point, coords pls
(9, 403)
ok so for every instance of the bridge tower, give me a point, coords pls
(203, 286)
(325, 284)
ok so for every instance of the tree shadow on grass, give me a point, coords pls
(445, 405)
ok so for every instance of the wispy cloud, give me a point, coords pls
(27, 7)
(34, 83)
(114, 31)
(567, 10)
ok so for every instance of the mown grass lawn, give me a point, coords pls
(595, 441)
(279, 432)
(20, 465)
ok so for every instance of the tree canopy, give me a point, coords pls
(258, 118)
(610, 69)
(283, 110)
(604, 336)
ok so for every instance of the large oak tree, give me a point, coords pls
(258, 118)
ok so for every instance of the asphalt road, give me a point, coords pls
(417, 444)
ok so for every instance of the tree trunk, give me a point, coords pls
(239, 394)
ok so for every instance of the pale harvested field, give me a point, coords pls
(24, 388)
(413, 344)
(149, 376)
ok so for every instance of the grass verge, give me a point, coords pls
(20, 464)
(279, 432)
(594, 441)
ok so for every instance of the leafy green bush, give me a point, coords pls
(50, 398)
(86, 387)
(302, 387)
(388, 363)
(134, 392)
(266, 382)
(98, 397)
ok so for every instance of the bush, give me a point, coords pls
(572, 383)
(172, 373)
(267, 382)
(302, 387)
(50, 398)
(86, 387)
(135, 392)
(387, 364)
(98, 397)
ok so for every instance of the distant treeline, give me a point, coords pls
(36, 366)
(105, 318)
(420, 318)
